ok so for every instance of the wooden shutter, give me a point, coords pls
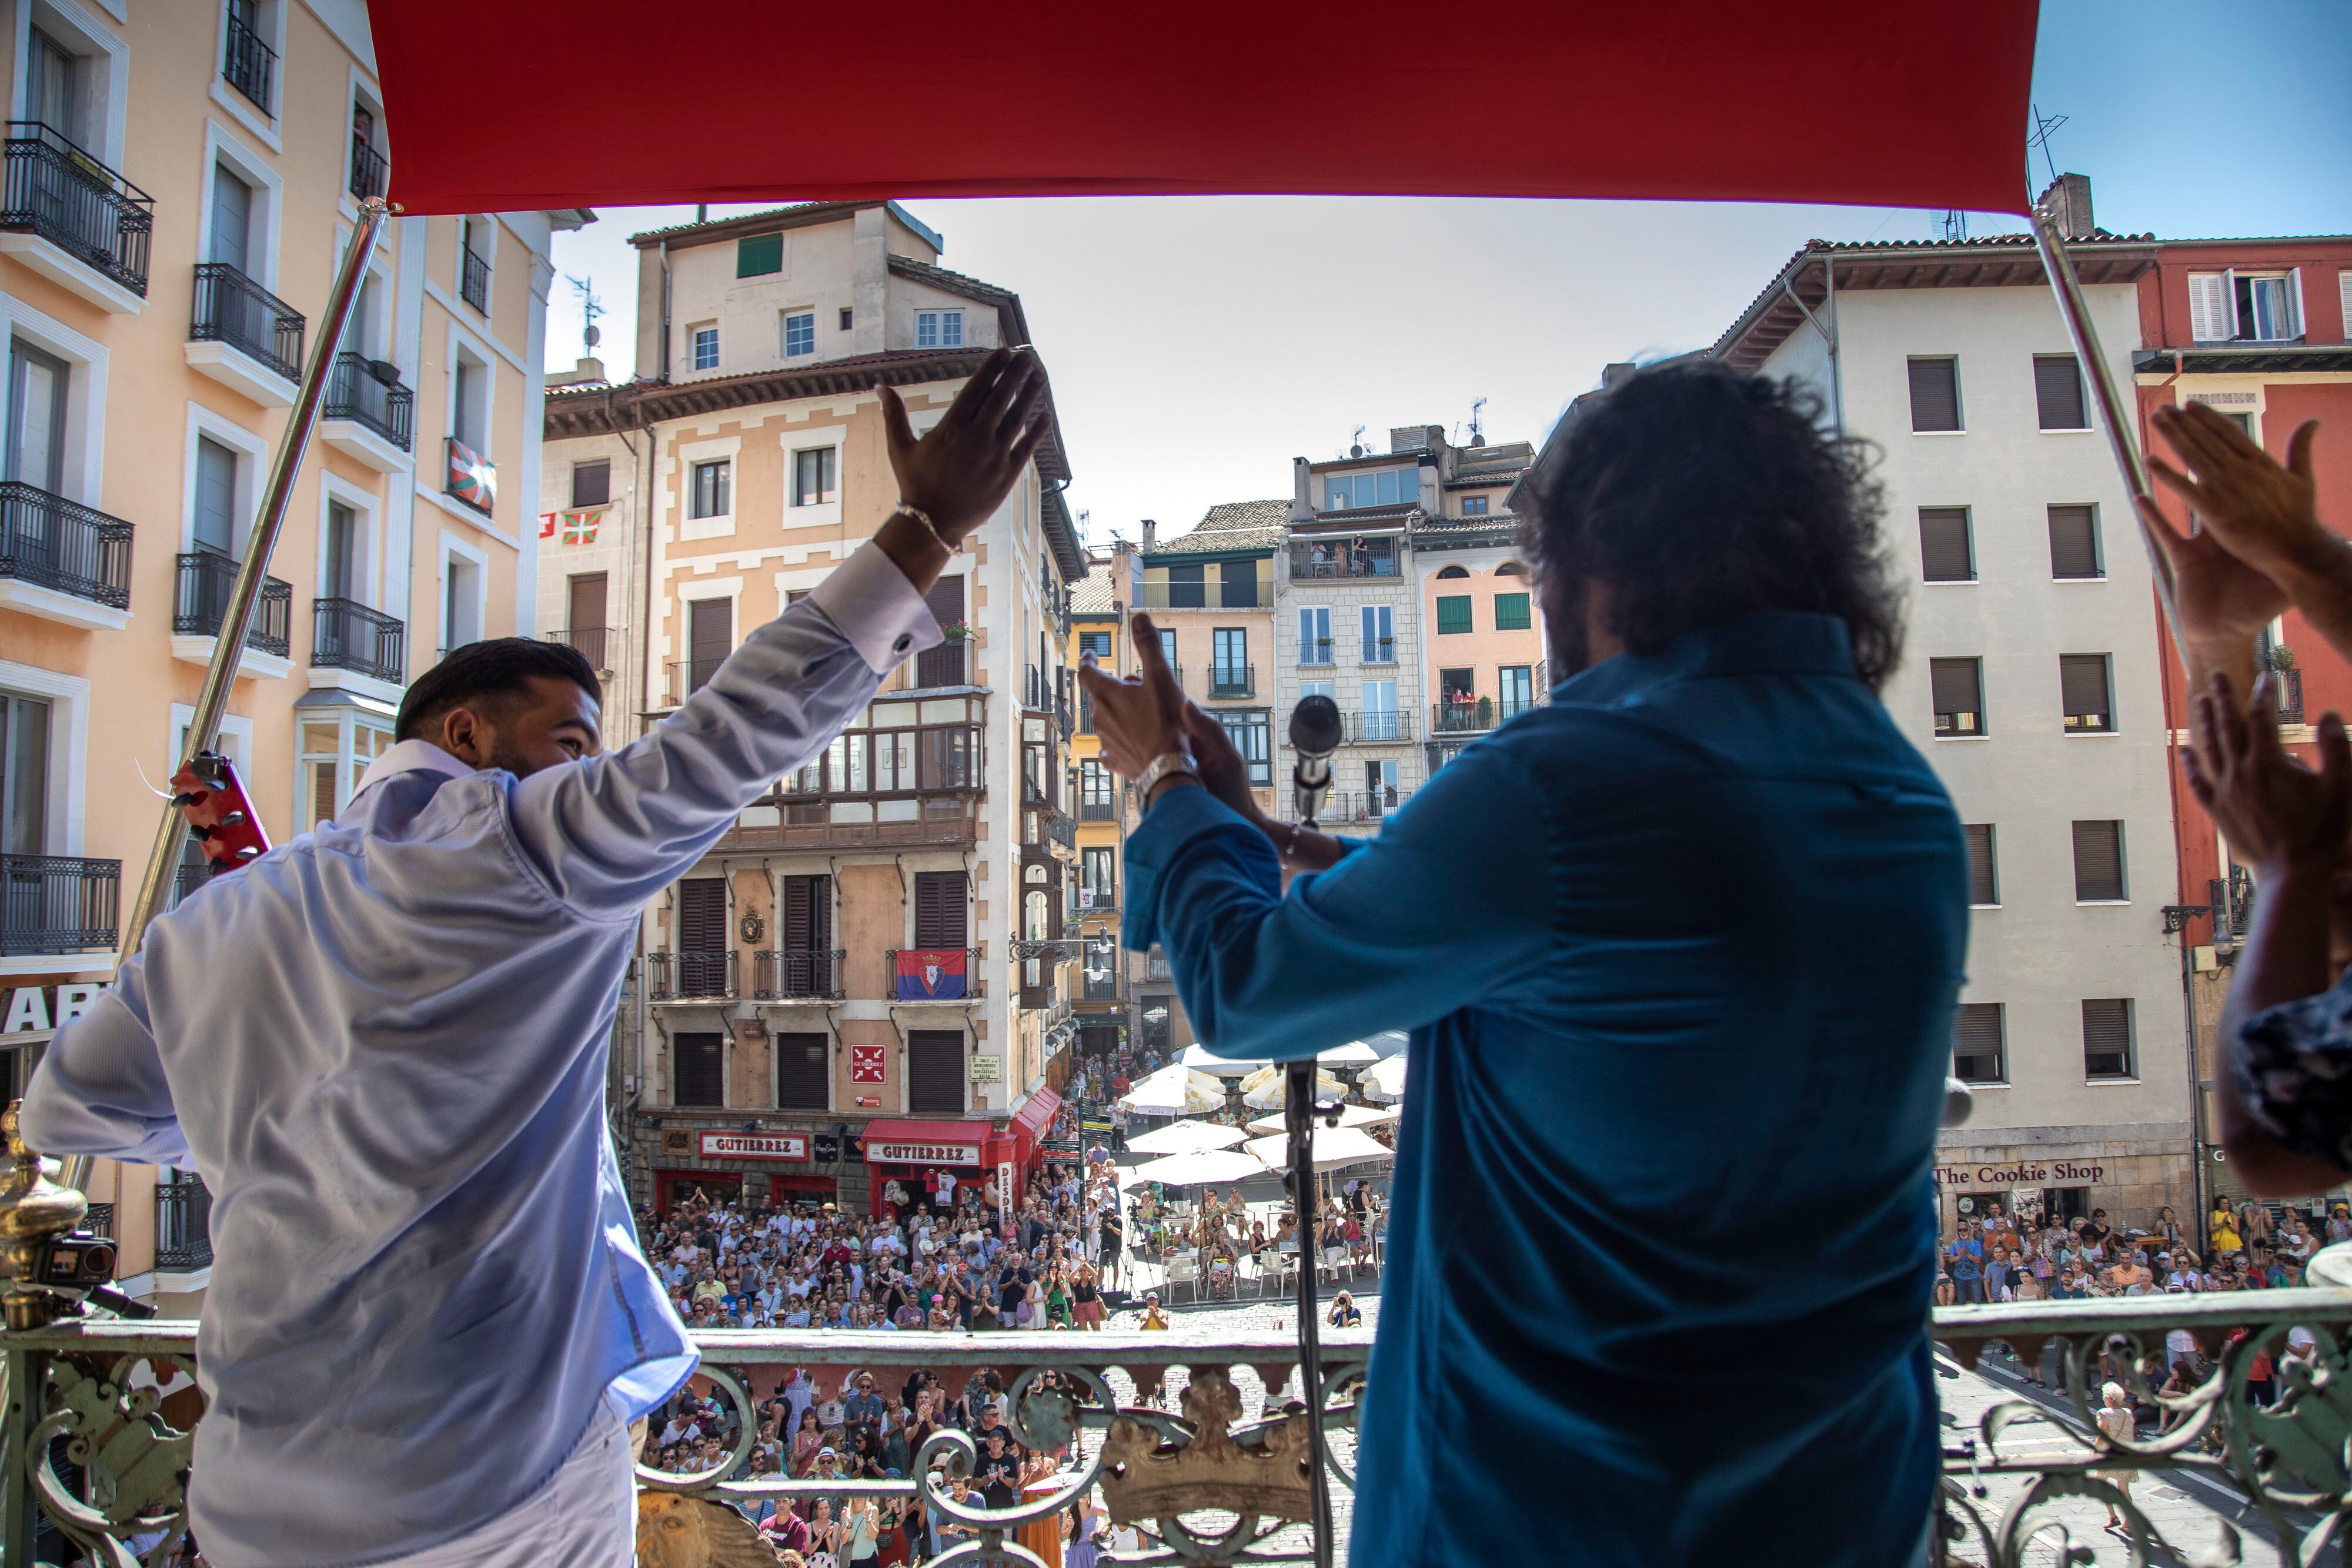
(1976, 1042)
(803, 1073)
(1454, 614)
(2106, 1037)
(2073, 542)
(2083, 689)
(702, 915)
(935, 1072)
(1958, 688)
(2098, 862)
(2058, 392)
(939, 909)
(592, 483)
(588, 603)
(697, 1070)
(1935, 395)
(215, 526)
(806, 961)
(1944, 551)
(2212, 307)
(1984, 880)
(711, 637)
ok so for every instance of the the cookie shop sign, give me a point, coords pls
(752, 1145)
(1999, 1175)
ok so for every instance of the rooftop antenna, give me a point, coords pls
(1356, 443)
(2043, 125)
(589, 310)
(1478, 430)
(1956, 226)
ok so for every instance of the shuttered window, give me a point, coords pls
(939, 909)
(2083, 685)
(2074, 542)
(935, 1072)
(1977, 1041)
(1984, 871)
(1935, 395)
(1453, 614)
(2058, 392)
(1958, 688)
(1512, 612)
(757, 255)
(702, 915)
(803, 1073)
(2212, 307)
(711, 637)
(697, 1070)
(1944, 551)
(806, 964)
(2098, 862)
(592, 483)
(2107, 1036)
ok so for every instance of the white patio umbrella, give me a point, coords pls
(1355, 1054)
(1265, 1088)
(1384, 1081)
(1335, 1147)
(1175, 1092)
(1350, 1116)
(1201, 1060)
(1202, 1167)
(1185, 1138)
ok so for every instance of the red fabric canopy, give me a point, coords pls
(495, 105)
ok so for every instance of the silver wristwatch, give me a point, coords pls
(1162, 766)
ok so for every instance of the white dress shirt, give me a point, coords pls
(384, 1046)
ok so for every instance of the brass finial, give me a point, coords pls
(34, 1211)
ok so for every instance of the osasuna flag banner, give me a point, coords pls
(930, 973)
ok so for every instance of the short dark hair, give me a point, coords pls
(498, 670)
(1700, 494)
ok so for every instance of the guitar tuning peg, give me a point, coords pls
(248, 853)
(233, 819)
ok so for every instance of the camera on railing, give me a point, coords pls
(78, 1262)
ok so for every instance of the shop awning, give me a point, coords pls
(535, 104)
(900, 1142)
(1037, 1114)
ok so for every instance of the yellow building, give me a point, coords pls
(1483, 657)
(182, 182)
(1098, 607)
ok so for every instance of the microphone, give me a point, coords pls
(1314, 736)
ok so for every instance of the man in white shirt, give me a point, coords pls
(430, 1326)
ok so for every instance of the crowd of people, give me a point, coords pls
(1992, 1256)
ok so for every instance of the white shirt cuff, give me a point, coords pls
(869, 599)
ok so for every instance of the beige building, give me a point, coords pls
(182, 181)
(1484, 660)
(874, 953)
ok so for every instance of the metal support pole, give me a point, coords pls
(1298, 1121)
(18, 1402)
(237, 620)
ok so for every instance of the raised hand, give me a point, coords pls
(2276, 813)
(961, 472)
(1139, 718)
(2263, 512)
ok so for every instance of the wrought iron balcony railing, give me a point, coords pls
(1378, 726)
(2290, 694)
(1457, 717)
(54, 189)
(233, 308)
(205, 580)
(1356, 805)
(690, 977)
(368, 391)
(54, 543)
(183, 1232)
(944, 665)
(916, 983)
(58, 904)
(370, 169)
(778, 973)
(347, 635)
(1098, 811)
(475, 284)
(688, 677)
(1232, 680)
(1334, 559)
(1061, 827)
(248, 64)
(594, 642)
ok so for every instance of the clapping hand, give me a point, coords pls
(2258, 525)
(961, 472)
(2277, 814)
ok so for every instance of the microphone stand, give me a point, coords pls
(1298, 1122)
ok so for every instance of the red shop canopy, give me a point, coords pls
(500, 105)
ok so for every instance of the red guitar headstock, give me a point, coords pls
(213, 801)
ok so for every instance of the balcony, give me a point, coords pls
(1356, 806)
(1090, 901)
(248, 64)
(781, 973)
(245, 336)
(370, 169)
(945, 666)
(474, 282)
(75, 221)
(1335, 557)
(2289, 686)
(62, 561)
(347, 635)
(368, 414)
(1380, 651)
(1379, 726)
(921, 986)
(946, 820)
(1457, 716)
(1061, 827)
(691, 976)
(206, 578)
(1202, 596)
(688, 677)
(183, 1227)
(594, 643)
(1315, 653)
(1098, 811)
(1233, 680)
(58, 904)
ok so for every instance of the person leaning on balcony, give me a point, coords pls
(382, 1044)
(1627, 1012)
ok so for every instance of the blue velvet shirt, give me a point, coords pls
(1679, 954)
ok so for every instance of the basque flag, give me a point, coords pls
(930, 973)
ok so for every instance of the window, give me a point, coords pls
(1946, 553)
(37, 418)
(709, 494)
(1238, 584)
(338, 571)
(592, 483)
(1512, 614)
(813, 478)
(2058, 392)
(248, 63)
(56, 88)
(1252, 732)
(1315, 635)
(1098, 884)
(1935, 395)
(1380, 633)
(2107, 1036)
(1977, 1041)
(697, 1070)
(935, 1059)
(461, 599)
(1958, 686)
(706, 348)
(587, 602)
(1097, 786)
(1453, 614)
(1450, 573)
(2098, 862)
(709, 637)
(803, 1062)
(939, 909)
(230, 242)
(2225, 307)
(847, 316)
(469, 398)
(1474, 506)
(800, 333)
(2084, 691)
(1377, 487)
(1094, 643)
(1380, 720)
(1229, 648)
(1318, 689)
(1381, 787)
(758, 255)
(334, 753)
(474, 263)
(2074, 542)
(23, 775)
(939, 328)
(1984, 876)
(213, 526)
(1188, 586)
(1516, 692)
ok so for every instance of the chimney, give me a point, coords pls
(1615, 376)
(1302, 510)
(2068, 200)
(1151, 535)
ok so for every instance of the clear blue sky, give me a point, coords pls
(1197, 343)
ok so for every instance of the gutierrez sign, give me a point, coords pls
(1999, 1175)
(752, 1145)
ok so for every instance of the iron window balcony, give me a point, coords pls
(368, 392)
(2289, 683)
(206, 578)
(58, 904)
(814, 973)
(184, 1229)
(690, 977)
(55, 190)
(1372, 727)
(594, 642)
(688, 677)
(1380, 651)
(943, 665)
(347, 635)
(1334, 559)
(1098, 811)
(1232, 680)
(975, 983)
(54, 543)
(370, 169)
(1315, 652)
(248, 64)
(475, 284)
(232, 309)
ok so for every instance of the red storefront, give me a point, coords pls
(902, 1149)
(746, 1151)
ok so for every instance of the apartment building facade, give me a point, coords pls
(867, 975)
(1485, 661)
(2031, 681)
(1098, 604)
(181, 184)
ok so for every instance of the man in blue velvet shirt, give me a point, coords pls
(1685, 939)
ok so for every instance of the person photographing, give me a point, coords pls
(382, 1044)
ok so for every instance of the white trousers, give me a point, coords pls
(586, 1517)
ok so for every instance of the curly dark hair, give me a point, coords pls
(1700, 494)
(495, 673)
